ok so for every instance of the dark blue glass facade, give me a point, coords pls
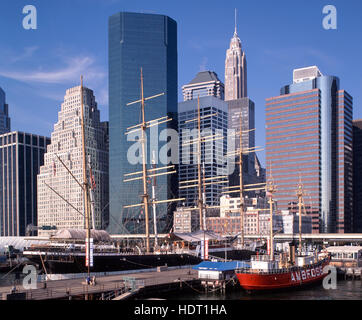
(19, 165)
(4, 114)
(149, 42)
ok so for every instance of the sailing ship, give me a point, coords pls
(271, 273)
(89, 250)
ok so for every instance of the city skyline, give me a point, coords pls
(42, 63)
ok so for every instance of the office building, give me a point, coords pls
(240, 106)
(309, 138)
(213, 122)
(21, 155)
(357, 175)
(60, 197)
(206, 83)
(4, 114)
(147, 41)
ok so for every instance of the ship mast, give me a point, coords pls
(85, 181)
(201, 182)
(199, 173)
(300, 194)
(270, 189)
(241, 182)
(145, 174)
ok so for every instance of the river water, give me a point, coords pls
(346, 290)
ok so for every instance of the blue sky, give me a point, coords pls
(37, 66)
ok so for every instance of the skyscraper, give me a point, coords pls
(357, 175)
(66, 143)
(4, 114)
(21, 155)
(235, 70)
(147, 41)
(214, 121)
(309, 137)
(241, 106)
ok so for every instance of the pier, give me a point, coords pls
(114, 287)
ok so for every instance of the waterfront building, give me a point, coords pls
(4, 114)
(21, 155)
(213, 121)
(66, 143)
(256, 222)
(309, 137)
(231, 206)
(147, 41)
(187, 219)
(357, 175)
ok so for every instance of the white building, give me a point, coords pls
(66, 142)
(231, 205)
(235, 70)
(291, 222)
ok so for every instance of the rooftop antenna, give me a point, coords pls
(235, 23)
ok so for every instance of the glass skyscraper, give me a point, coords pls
(147, 41)
(4, 114)
(21, 155)
(309, 136)
(214, 121)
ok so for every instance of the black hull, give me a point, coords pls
(123, 262)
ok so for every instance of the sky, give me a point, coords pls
(37, 66)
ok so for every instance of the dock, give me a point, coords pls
(114, 287)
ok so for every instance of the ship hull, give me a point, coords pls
(72, 263)
(292, 278)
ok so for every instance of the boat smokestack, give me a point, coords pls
(292, 253)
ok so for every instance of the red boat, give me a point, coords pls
(266, 274)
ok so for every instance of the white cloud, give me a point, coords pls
(74, 67)
(28, 52)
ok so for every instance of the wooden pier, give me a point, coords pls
(112, 287)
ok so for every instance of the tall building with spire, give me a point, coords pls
(235, 70)
(66, 143)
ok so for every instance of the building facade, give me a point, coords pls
(309, 137)
(357, 176)
(256, 222)
(213, 122)
(147, 41)
(21, 155)
(66, 143)
(4, 114)
(243, 110)
(206, 83)
(231, 206)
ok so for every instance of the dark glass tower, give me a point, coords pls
(21, 155)
(136, 41)
(4, 114)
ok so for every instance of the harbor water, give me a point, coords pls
(346, 290)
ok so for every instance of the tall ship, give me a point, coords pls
(270, 272)
(90, 250)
